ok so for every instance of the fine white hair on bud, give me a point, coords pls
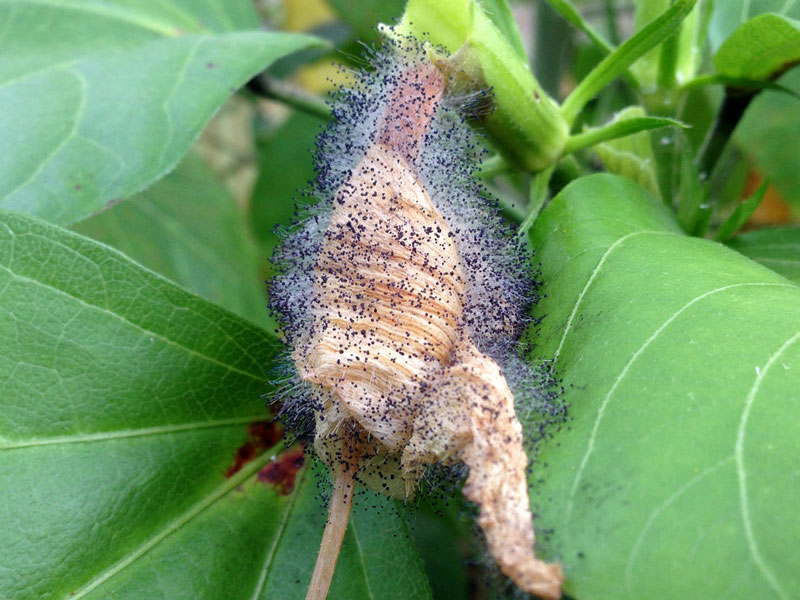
(401, 296)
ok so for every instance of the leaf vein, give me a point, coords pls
(744, 502)
(176, 83)
(270, 557)
(354, 529)
(661, 508)
(132, 433)
(131, 18)
(606, 400)
(136, 326)
(591, 279)
(171, 527)
(63, 142)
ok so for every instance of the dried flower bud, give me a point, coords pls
(394, 295)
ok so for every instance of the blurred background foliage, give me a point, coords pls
(248, 170)
(262, 150)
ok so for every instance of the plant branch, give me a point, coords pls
(618, 129)
(570, 14)
(730, 113)
(290, 94)
(616, 63)
(740, 84)
(493, 166)
(538, 195)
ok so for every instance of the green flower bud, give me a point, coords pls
(525, 124)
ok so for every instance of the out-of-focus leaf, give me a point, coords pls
(500, 13)
(631, 156)
(763, 47)
(694, 209)
(100, 99)
(680, 362)
(741, 214)
(728, 15)
(446, 543)
(123, 417)
(769, 131)
(778, 249)
(363, 16)
(188, 228)
(286, 165)
(686, 45)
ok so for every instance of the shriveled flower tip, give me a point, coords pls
(408, 287)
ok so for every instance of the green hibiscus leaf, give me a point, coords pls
(728, 15)
(630, 156)
(680, 363)
(69, 142)
(188, 228)
(762, 48)
(285, 164)
(769, 127)
(136, 459)
(778, 249)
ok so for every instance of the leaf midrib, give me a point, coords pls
(590, 447)
(147, 332)
(132, 433)
(270, 557)
(744, 504)
(124, 16)
(171, 527)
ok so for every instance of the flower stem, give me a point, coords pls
(338, 517)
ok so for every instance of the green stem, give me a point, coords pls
(618, 129)
(611, 19)
(492, 167)
(740, 84)
(552, 42)
(570, 14)
(618, 61)
(668, 64)
(289, 94)
(538, 195)
(730, 113)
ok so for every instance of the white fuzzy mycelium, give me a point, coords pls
(401, 297)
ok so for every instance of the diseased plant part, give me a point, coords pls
(401, 298)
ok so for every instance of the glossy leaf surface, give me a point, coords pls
(188, 228)
(119, 99)
(762, 48)
(778, 249)
(680, 361)
(127, 406)
(728, 15)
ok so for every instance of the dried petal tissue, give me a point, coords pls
(401, 297)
